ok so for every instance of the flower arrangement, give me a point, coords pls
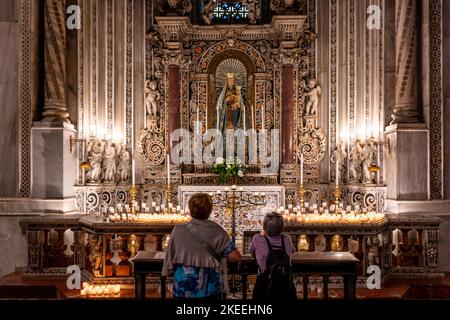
(225, 170)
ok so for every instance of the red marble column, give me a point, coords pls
(287, 115)
(174, 100)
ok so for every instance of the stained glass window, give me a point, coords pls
(230, 12)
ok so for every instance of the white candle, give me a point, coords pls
(337, 173)
(168, 169)
(133, 171)
(301, 169)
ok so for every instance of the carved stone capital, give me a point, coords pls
(175, 57)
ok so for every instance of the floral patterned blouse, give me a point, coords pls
(198, 282)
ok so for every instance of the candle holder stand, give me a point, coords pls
(235, 199)
(301, 196)
(337, 197)
(133, 194)
(169, 195)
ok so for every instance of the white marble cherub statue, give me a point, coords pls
(313, 97)
(152, 96)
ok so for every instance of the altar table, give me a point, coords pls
(303, 264)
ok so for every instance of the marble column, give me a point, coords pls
(174, 79)
(406, 139)
(55, 107)
(406, 24)
(54, 166)
(287, 116)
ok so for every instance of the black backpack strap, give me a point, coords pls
(268, 243)
(282, 243)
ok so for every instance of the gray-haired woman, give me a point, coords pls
(272, 250)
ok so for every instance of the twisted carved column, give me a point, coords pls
(287, 116)
(55, 107)
(405, 110)
(174, 100)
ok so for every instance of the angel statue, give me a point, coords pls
(152, 96)
(123, 166)
(314, 91)
(109, 162)
(340, 154)
(368, 159)
(94, 150)
(355, 161)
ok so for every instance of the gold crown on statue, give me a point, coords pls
(230, 75)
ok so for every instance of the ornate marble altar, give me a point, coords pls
(248, 218)
(402, 245)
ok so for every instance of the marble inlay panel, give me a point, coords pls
(247, 218)
(8, 106)
(13, 245)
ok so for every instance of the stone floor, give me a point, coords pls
(17, 286)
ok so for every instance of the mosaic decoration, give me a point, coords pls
(312, 25)
(81, 83)
(129, 109)
(333, 78)
(25, 100)
(93, 58)
(436, 179)
(109, 68)
(381, 88)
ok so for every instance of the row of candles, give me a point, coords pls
(307, 209)
(323, 214)
(145, 214)
(350, 218)
(100, 290)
